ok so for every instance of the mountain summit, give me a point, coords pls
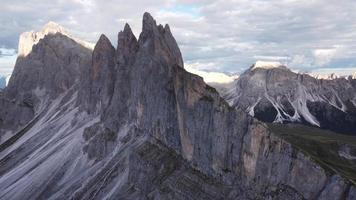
(273, 93)
(29, 39)
(131, 123)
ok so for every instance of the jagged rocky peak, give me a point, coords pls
(148, 23)
(159, 41)
(49, 63)
(29, 39)
(99, 83)
(52, 28)
(102, 44)
(155, 49)
(330, 76)
(127, 45)
(103, 57)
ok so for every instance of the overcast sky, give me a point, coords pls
(226, 36)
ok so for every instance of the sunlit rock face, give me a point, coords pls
(51, 68)
(273, 93)
(29, 39)
(135, 125)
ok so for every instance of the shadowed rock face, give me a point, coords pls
(138, 126)
(101, 76)
(53, 66)
(280, 95)
(50, 69)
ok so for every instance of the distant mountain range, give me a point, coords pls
(273, 93)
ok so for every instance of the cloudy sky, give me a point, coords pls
(220, 35)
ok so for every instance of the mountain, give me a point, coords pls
(51, 67)
(130, 123)
(273, 93)
(29, 39)
(325, 76)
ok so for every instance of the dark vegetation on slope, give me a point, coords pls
(325, 147)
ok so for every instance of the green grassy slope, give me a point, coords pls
(323, 146)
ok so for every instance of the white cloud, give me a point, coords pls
(297, 60)
(324, 56)
(211, 77)
(88, 5)
(270, 57)
(7, 60)
(230, 34)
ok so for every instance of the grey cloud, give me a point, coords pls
(232, 34)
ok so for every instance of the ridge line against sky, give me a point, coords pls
(225, 36)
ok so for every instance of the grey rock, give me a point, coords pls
(159, 42)
(276, 94)
(352, 193)
(127, 46)
(101, 75)
(49, 70)
(334, 189)
(138, 126)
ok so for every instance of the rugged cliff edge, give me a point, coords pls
(133, 124)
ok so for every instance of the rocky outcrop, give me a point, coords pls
(29, 39)
(127, 46)
(101, 76)
(276, 94)
(49, 70)
(159, 42)
(138, 126)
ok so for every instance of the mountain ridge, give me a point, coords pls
(29, 39)
(280, 95)
(131, 123)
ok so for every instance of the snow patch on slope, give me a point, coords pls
(251, 109)
(7, 79)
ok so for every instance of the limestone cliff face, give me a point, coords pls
(138, 126)
(280, 170)
(29, 39)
